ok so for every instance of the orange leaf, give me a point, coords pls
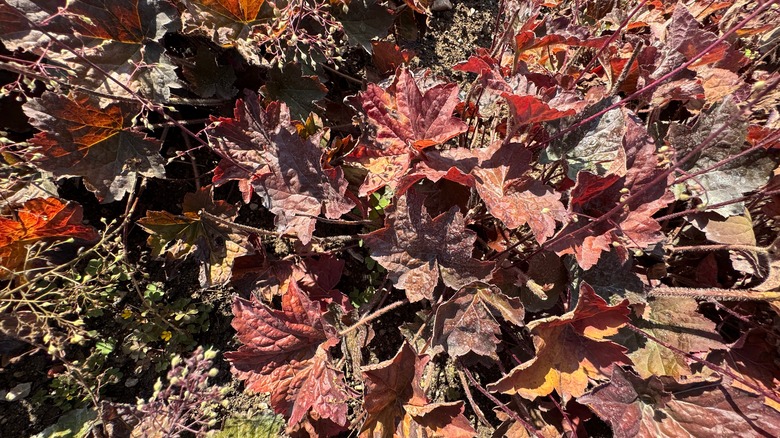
(570, 349)
(38, 220)
(242, 11)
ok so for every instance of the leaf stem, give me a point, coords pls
(714, 293)
(368, 318)
(512, 414)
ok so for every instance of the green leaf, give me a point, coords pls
(365, 21)
(299, 92)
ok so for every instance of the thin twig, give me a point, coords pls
(470, 398)
(368, 318)
(512, 414)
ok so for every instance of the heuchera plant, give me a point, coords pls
(579, 235)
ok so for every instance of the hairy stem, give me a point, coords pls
(714, 293)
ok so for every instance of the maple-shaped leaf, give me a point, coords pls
(207, 77)
(285, 352)
(417, 250)
(403, 121)
(593, 197)
(737, 176)
(38, 220)
(98, 143)
(262, 149)
(121, 39)
(514, 197)
(570, 350)
(676, 322)
(212, 243)
(299, 92)
(396, 405)
(648, 408)
(469, 321)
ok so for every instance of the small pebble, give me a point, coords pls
(441, 5)
(18, 392)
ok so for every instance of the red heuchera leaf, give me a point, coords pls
(397, 406)
(570, 350)
(514, 197)
(646, 408)
(285, 352)
(263, 151)
(38, 220)
(404, 121)
(453, 164)
(83, 138)
(530, 109)
(594, 196)
(417, 250)
(468, 322)
(685, 36)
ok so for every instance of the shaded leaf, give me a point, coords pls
(263, 151)
(213, 244)
(82, 138)
(285, 352)
(417, 250)
(469, 321)
(366, 20)
(207, 77)
(387, 56)
(754, 359)
(290, 86)
(570, 350)
(39, 220)
(614, 279)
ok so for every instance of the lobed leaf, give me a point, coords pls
(97, 142)
(418, 250)
(570, 350)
